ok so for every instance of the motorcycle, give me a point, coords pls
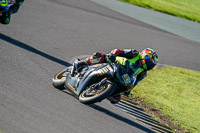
(94, 83)
(4, 10)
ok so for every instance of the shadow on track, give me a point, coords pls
(31, 49)
(120, 118)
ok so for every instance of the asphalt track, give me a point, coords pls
(41, 40)
(179, 26)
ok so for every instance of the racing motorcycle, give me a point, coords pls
(94, 83)
(4, 9)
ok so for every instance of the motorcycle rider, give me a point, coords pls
(146, 60)
(6, 12)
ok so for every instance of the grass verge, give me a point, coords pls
(175, 92)
(189, 9)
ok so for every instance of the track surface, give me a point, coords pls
(40, 41)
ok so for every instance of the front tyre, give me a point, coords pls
(5, 18)
(58, 80)
(97, 92)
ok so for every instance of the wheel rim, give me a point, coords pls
(62, 74)
(89, 92)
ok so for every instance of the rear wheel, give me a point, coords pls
(97, 92)
(58, 80)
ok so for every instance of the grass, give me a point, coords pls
(175, 92)
(189, 9)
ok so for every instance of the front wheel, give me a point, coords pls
(5, 18)
(58, 80)
(97, 92)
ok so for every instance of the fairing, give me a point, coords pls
(94, 75)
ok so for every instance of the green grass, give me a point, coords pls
(175, 92)
(189, 9)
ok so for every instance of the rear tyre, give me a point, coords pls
(58, 80)
(97, 92)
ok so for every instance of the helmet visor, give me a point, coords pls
(149, 62)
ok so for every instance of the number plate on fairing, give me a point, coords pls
(126, 78)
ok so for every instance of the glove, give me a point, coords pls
(110, 58)
(96, 55)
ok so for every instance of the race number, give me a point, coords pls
(126, 78)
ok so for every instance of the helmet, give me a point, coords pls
(149, 58)
(3, 3)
